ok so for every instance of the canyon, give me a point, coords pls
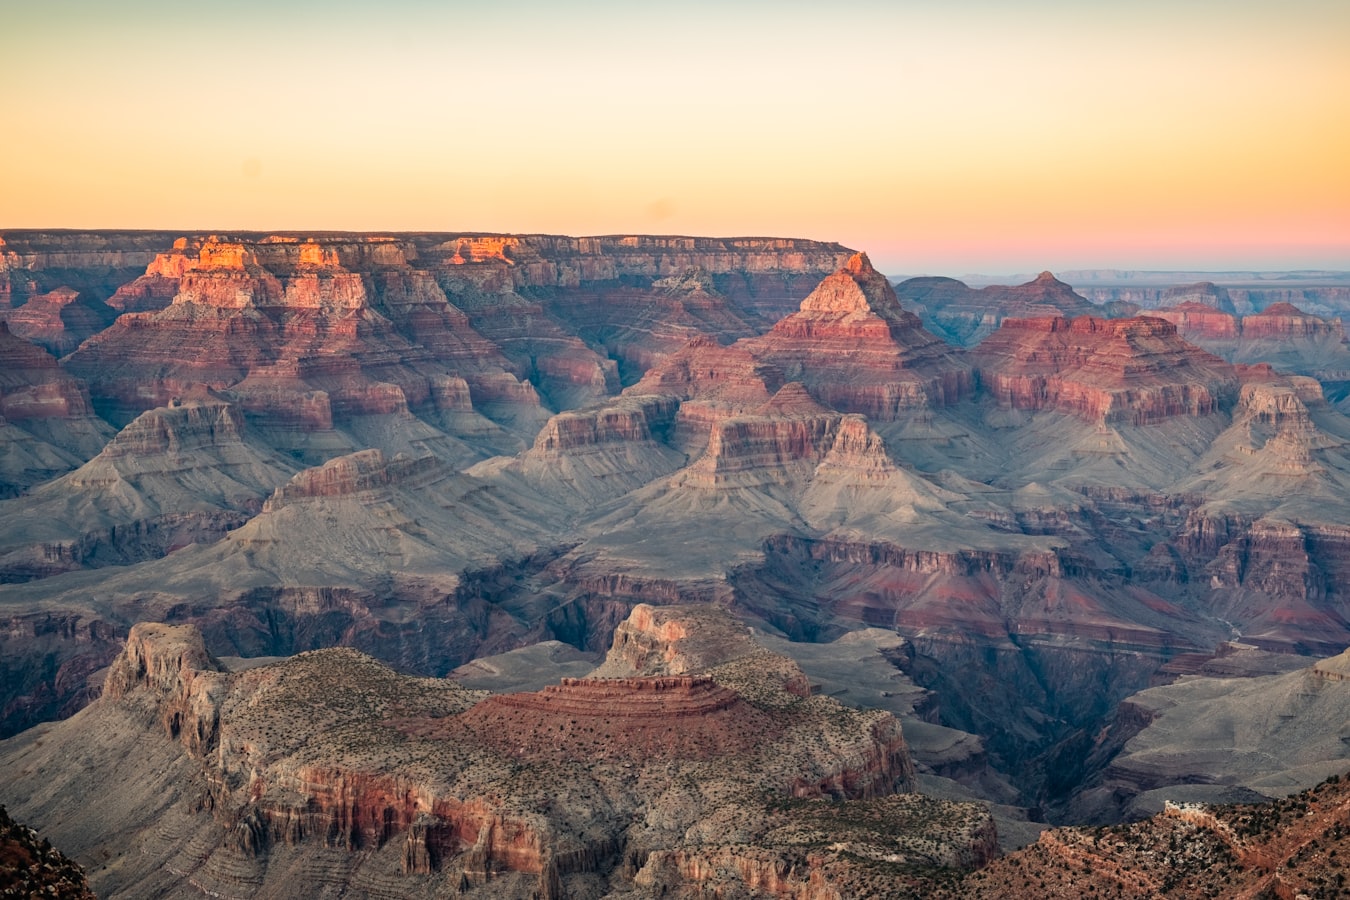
(999, 521)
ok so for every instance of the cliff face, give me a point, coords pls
(1132, 370)
(176, 476)
(47, 421)
(331, 757)
(856, 350)
(422, 446)
(60, 320)
(292, 323)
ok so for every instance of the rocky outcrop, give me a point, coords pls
(31, 867)
(1136, 371)
(1202, 293)
(856, 350)
(1291, 847)
(966, 316)
(48, 414)
(1198, 322)
(331, 757)
(1282, 335)
(33, 387)
(786, 440)
(178, 475)
(60, 320)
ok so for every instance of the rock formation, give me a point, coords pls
(332, 762)
(857, 350)
(60, 320)
(1133, 370)
(966, 316)
(175, 476)
(47, 423)
(1281, 335)
(438, 447)
(1292, 847)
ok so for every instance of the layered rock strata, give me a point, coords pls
(417, 784)
(966, 316)
(857, 350)
(1133, 370)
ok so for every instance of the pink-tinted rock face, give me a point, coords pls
(1203, 293)
(33, 386)
(856, 350)
(1126, 370)
(223, 309)
(1284, 320)
(330, 756)
(59, 320)
(966, 315)
(1196, 321)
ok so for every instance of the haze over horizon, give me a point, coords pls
(975, 138)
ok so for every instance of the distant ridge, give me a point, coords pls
(1142, 277)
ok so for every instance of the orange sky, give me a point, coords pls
(981, 137)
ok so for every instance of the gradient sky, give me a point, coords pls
(949, 138)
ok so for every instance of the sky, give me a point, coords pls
(946, 138)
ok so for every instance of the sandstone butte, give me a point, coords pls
(1104, 370)
(693, 762)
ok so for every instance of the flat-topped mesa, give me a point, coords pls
(1279, 322)
(1197, 321)
(1202, 293)
(630, 419)
(856, 350)
(180, 427)
(360, 471)
(748, 451)
(1136, 371)
(784, 442)
(1284, 320)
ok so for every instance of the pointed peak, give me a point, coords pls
(856, 288)
(1046, 277)
(792, 399)
(859, 265)
(1282, 309)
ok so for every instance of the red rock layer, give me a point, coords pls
(59, 320)
(1284, 320)
(856, 350)
(682, 717)
(1279, 321)
(632, 420)
(1136, 371)
(1196, 321)
(966, 315)
(33, 386)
